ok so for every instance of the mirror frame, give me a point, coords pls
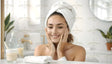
(2, 29)
(95, 15)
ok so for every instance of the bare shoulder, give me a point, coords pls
(78, 49)
(39, 49)
(78, 52)
(41, 46)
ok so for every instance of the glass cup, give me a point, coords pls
(11, 54)
(20, 52)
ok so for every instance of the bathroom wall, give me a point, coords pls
(23, 24)
(84, 30)
(0, 29)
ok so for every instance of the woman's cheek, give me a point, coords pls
(61, 31)
(48, 31)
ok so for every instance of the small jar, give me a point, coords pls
(20, 50)
(11, 54)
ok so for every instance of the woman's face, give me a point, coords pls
(56, 26)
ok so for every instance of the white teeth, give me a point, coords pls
(55, 36)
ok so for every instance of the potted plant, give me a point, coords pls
(108, 37)
(8, 26)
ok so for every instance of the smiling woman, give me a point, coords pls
(59, 22)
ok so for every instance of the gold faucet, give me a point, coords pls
(24, 40)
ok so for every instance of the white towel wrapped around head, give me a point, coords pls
(66, 10)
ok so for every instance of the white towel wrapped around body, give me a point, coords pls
(37, 59)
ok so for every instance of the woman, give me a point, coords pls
(58, 24)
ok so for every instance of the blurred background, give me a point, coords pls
(29, 17)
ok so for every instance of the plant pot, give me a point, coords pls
(109, 45)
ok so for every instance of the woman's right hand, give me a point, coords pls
(50, 44)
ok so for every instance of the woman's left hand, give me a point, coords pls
(62, 43)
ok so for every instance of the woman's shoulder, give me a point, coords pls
(42, 46)
(76, 48)
(39, 50)
(78, 52)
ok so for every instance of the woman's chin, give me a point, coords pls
(55, 41)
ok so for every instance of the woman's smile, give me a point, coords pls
(55, 36)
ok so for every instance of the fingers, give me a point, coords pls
(61, 38)
(48, 38)
(65, 36)
(46, 33)
(51, 46)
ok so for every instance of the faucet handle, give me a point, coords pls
(26, 35)
(23, 40)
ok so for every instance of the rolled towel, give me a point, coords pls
(37, 59)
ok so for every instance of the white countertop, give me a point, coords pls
(99, 56)
(99, 52)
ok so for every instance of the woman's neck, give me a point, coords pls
(55, 45)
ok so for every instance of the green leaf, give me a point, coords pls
(10, 29)
(110, 30)
(108, 35)
(7, 19)
(8, 25)
(103, 34)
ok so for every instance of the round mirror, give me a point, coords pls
(102, 9)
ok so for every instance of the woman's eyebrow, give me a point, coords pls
(57, 24)
(60, 24)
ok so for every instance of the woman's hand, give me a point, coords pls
(50, 44)
(62, 43)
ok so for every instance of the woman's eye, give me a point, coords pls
(60, 27)
(50, 27)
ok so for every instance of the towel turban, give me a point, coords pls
(65, 9)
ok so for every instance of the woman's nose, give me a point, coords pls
(54, 31)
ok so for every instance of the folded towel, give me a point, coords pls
(37, 59)
(62, 59)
